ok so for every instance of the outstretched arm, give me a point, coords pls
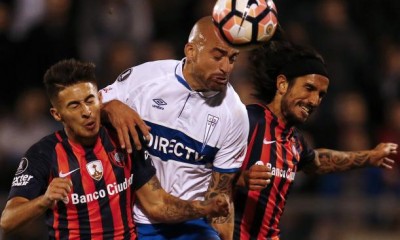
(124, 119)
(19, 210)
(222, 183)
(327, 161)
(163, 207)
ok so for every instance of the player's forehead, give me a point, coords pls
(77, 92)
(215, 43)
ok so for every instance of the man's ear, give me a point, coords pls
(190, 52)
(56, 115)
(282, 84)
(100, 97)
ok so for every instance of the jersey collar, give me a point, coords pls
(182, 80)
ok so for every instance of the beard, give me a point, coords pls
(288, 113)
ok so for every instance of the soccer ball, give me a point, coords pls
(244, 23)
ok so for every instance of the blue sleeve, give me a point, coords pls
(307, 154)
(143, 169)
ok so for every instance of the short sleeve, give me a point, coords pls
(119, 90)
(307, 154)
(32, 175)
(230, 157)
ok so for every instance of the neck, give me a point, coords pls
(84, 141)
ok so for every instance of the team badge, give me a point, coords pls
(210, 126)
(118, 158)
(23, 165)
(95, 169)
(294, 149)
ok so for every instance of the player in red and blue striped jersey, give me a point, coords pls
(80, 177)
(290, 82)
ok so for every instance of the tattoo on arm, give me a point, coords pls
(167, 208)
(335, 161)
(220, 183)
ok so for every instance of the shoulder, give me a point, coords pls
(42, 151)
(46, 144)
(233, 101)
(148, 71)
(256, 113)
(157, 66)
(255, 110)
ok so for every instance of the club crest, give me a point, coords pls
(118, 158)
(95, 169)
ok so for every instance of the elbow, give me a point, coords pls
(156, 214)
(6, 225)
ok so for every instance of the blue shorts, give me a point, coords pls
(197, 229)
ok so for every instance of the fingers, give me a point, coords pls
(124, 119)
(258, 184)
(58, 189)
(259, 176)
(223, 204)
(387, 163)
(121, 137)
(135, 137)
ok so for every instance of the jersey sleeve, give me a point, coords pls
(143, 169)
(31, 178)
(230, 157)
(120, 89)
(307, 154)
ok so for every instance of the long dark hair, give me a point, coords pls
(267, 62)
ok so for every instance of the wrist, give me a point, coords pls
(45, 203)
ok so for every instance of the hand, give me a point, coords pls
(379, 156)
(124, 119)
(220, 206)
(58, 189)
(258, 176)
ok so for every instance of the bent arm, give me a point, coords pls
(19, 211)
(163, 207)
(222, 183)
(328, 161)
(124, 119)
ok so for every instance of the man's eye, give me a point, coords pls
(73, 106)
(217, 58)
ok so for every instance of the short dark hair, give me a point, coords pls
(66, 73)
(268, 61)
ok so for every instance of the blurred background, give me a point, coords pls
(360, 40)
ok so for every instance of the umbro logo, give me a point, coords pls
(267, 142)
(159, 103)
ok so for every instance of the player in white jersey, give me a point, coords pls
(199, 126)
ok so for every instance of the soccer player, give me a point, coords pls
(290, 82)
(199, 127)
(80, 177)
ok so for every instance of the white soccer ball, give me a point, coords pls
(245, 22)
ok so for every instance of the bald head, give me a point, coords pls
(204, 30)
(209, 59)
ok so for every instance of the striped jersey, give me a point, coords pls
(283, 149)
(104, 178)
(192, 133)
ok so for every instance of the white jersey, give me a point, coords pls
(192, 133)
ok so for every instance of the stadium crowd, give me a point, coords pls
(360, 41)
